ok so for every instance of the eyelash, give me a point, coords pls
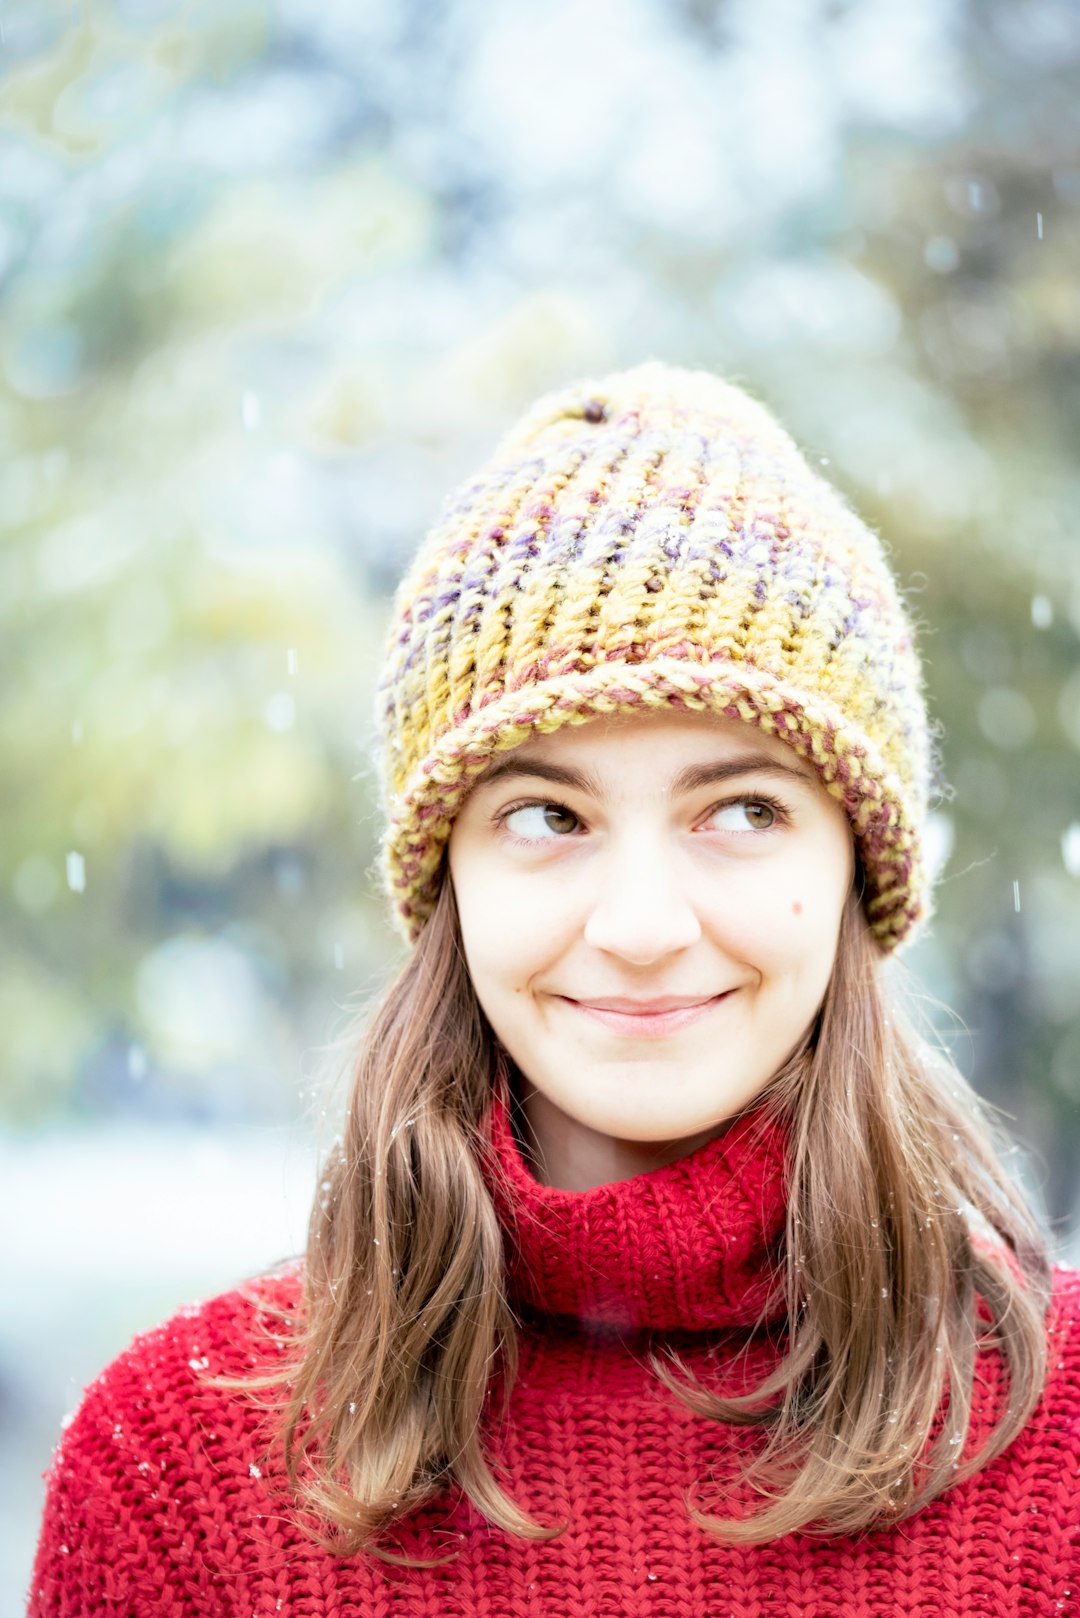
(780, 810)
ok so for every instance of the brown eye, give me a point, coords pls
(558, 819)
(539, 822)
(745, 814)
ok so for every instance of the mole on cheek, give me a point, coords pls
(796, 908)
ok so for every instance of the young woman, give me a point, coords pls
(662, 1268)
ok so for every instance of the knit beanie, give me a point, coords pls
(654, 540)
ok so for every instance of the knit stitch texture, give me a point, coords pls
(162, 1503)
(654, 539)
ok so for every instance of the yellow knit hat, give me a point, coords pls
(654, 539)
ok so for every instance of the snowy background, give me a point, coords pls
(272, 278)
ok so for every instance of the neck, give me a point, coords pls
(569, 1156)
(694, 1244)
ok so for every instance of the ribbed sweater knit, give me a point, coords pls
(161, 1503)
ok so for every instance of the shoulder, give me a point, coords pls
(1065, 1297)
(1057, 1416)
(169, 1371)
(155, 1442)
(232, 1334)
(1063, 1322)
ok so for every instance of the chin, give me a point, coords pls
(646, 1128)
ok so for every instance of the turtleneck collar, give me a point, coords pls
(692, 1246)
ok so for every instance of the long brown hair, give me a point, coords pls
(900, 1220)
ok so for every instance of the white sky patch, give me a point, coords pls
(824, 300)
(900, 64)
(200, 999)
(939, 840)
(76, 872)
(654, 118)
(1070, 848)
(280, 711)
(244, 1199)
(941, 255)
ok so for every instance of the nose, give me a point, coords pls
(642, 908)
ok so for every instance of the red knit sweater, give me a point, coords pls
(160, 1503)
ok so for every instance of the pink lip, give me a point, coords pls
(646, 1019)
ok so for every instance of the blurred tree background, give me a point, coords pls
(272, 279)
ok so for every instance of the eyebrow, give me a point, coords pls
(690, 779)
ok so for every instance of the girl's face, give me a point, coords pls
(650, 909)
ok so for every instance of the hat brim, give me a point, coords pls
(845, 759)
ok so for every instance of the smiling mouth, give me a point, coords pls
(646, 1018)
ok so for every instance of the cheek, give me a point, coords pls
(809, 913)
(509, 928)
(784, 917)
(481, 925)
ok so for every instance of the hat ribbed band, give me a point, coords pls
(847, 764)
